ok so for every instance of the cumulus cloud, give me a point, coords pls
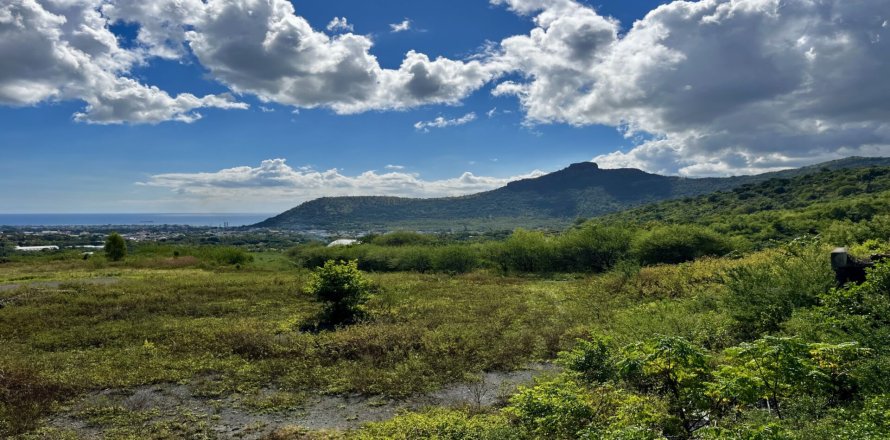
(339, 24)
(395, 167)
(64, 50)
(706, 87)
(403, 26)
(441, 122)
(58, 50)
(263, 48)
(713, 87)
(274, 179)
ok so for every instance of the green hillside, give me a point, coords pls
(847, 205)
(554, 200)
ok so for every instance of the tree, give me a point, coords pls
(343, 289)
(676, 369)
(115, 247)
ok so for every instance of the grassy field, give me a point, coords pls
(231, 331)
(217, 343)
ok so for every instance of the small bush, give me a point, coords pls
(455, 259)
(343, 290)
(401, 238)
(679, 243)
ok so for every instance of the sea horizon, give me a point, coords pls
(131, 219)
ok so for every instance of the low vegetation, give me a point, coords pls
(668, 328)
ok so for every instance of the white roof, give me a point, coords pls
(36, 248)
(343, 242)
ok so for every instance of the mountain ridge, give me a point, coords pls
(551, 200)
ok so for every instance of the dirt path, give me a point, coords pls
(229, 419)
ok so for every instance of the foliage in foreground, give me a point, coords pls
(666, 387)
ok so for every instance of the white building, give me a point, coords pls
(343, 242)
(36, 248)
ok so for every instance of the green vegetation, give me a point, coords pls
(343, 291)
(663, 325)
(115, 247)
(554, 200)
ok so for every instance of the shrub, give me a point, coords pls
(525, 251)
(679, 243)
(441, 424)
(558, 409)
(764, 294)
(455, 258)
(593, 248)
(591, 359)
(401, 238)
(343, 290)
(231, 256)
(115, 247)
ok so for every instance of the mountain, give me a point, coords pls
(553, 200)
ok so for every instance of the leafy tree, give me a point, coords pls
(676, 369)
(115, 247)
(768, 369)
(343, 289)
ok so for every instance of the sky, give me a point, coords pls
(259, 105)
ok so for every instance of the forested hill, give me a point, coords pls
(846, 205)
(553, 200)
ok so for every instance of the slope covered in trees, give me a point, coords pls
(553, 200)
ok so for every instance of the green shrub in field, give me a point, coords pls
(442, 424)
(593, 248)
(762, 295)
(115, 247)
(525, 251)
(343, 290)
(557, 409)
(455, 258)
(401, 238)
(592, 359)
(230, 256)
(678, 243)
(675, 369)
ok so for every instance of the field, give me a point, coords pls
(215, 342)
(228, 332)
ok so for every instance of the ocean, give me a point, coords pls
(241, 219)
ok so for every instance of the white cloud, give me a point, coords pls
(339, 24)
(400, 27)
(395, 167)
(59, 50)
(441, 122)
(718, 87)
(263, 48)
(713, 86)
(276, 181)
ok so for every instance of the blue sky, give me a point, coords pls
(117, 159)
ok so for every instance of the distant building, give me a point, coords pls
(36, 248)
(343, 242)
